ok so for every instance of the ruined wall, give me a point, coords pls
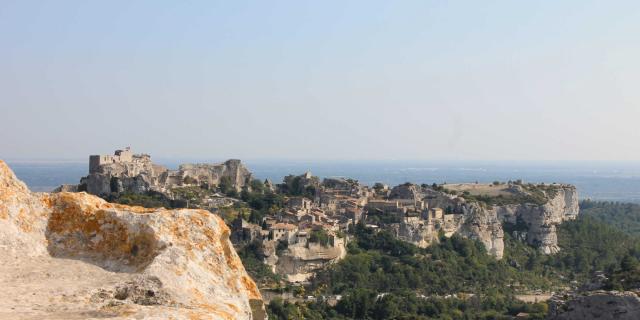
(140, 175)
(213, 173)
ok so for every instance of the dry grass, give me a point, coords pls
(480, 189)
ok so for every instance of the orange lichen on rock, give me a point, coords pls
(24, 221)
(4, 211)
(251, 286)
(83, 225)
(184, 255)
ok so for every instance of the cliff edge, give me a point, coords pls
(529, 212)
(75, 256)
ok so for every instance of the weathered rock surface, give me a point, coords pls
(417, 232)
(300, 262)
(541, 220)
(485, 223)
(599, 304)
(138, 174)
(75, 256)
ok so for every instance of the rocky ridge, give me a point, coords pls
(74, 256)
(537, 222)
(598, 304)
(139, 175)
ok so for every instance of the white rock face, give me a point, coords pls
(485, 223)
(75, 256)
(419, 233)
(299, 262)
(542, 220)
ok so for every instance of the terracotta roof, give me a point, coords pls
(285, 226)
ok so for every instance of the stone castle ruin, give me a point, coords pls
(119, 156)
(126, 172)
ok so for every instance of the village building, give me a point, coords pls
(300, 203)
(283, 231)
(385, 206)
(245, 232)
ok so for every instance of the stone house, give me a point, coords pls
(300, 203)
(385, 206)
(434, 214)
(244, 232)
(302, 237)
(283, 231)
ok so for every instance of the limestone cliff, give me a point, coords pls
(540, 221)
(537, 222)
(535, 210)
(300, 262)
(75, 256)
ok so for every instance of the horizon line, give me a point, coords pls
(326, 160)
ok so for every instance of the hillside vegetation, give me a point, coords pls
(622, 216)
(384, 278)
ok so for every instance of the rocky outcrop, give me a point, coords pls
(137, 174)
(407, 191)
(304, 183)
(75, 256)
(300, 261)
(484, 222)
(416, 231)
(211, 174)
(540, 221)
(599, 304)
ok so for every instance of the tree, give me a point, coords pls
(226, 185)
(628, 263)
(190, 180)
(257, 186)
(256, 217)
(319, 236)
(113, 184)
(386, 307)
(357, 303)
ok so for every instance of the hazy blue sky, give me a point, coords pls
(466, 80)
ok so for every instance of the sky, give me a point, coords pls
(433, 80)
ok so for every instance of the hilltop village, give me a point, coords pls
(313, 228)
(300, 226)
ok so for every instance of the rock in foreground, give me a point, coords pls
(597, 305)
(75, 256)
